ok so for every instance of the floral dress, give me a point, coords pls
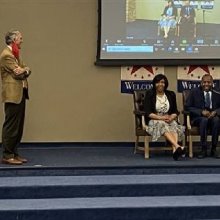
(157, 128)
(164, 22)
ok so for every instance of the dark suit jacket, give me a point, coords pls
(195, 102)
(183, 11)
(150, 103)
(174, 11)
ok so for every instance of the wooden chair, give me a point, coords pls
(192, 28)
(190, 130)
(140, 126)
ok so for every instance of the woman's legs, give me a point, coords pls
(177, 149)
(166, 30)
(173, 139)
(169, 24)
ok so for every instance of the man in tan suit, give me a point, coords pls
(14, 74)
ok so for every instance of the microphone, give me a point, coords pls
(27, 73)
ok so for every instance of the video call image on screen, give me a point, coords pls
(209, 4)
(160, 29)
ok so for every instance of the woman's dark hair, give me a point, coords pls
(171, 2)
(157, 79)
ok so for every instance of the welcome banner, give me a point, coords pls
(138, 77)
(189, 77)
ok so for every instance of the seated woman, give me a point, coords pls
(161, 114)
(168, 19)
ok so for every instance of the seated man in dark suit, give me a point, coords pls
(203, 104)
(187, 20)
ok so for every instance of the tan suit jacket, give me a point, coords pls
(12, 84)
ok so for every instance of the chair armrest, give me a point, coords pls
(136, 112)
(185, 112)
(188, 121)
(143, 122)
(188, 124)
(142, 114)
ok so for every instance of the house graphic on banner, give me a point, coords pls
(138, 77)
(189, 77)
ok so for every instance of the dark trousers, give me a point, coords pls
(205, 124)
(12, 130)
(186, 27)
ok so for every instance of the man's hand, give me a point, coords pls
(213, 114)
(27, 69)
(206, 113)
(18, 70)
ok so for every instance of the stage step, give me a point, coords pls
(37, 170)
(112, 208)
(109, 186)
(99, 159)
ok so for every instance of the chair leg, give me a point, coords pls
(195, 31)
(190, 147)
(146, 147)
(185, 140)
(158, 30)
(178, 30)
(136, 144)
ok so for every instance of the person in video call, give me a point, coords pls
(168, 19)
(187, 19)
(14, 74)
(161, 113)
(203, 104)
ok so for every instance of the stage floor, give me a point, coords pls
(88, 157)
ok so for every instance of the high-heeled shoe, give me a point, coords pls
(177, 153)
(183, 152)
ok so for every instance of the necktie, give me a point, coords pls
(15, 50)
(207, 100)
(187, 11)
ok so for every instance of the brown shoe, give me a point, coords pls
(22, 159)
(11, 161)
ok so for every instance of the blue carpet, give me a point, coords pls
(108, 186)
(172, 207)
(103, 157)
(110, 183)
(102, 161)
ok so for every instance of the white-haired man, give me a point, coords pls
(14, 74)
